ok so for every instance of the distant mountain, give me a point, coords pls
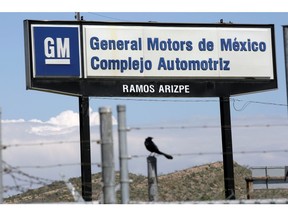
(198, 183)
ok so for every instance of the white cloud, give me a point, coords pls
(63, 123)
(94, 118)
(36, 121)
(13, 121)
(67, 118)
(49, 130)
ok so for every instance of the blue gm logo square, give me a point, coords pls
(56, 51)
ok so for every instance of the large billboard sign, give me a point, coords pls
(149, 59)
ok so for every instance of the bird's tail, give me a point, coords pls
(166, 155)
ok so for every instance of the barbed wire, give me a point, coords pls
(261, 102)
(137, 128)
(207, 126)
(247, 103)
(181, 100)
(39, 144)
(98, 164)
(12, 169)
(56, 165)
(61, 142)
(22, 180)
(221, 153)
(22, 185)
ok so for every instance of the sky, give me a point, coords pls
(41, 129)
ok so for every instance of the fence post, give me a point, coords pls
(107, 155)
(249, 187)
(123, 155)
(152, 178)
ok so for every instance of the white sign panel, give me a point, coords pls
(184, 52)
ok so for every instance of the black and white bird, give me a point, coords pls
(151, 146)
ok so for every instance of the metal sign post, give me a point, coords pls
(86, 178)
(85, 148)
(227, 150)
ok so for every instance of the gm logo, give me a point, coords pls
(56, 51)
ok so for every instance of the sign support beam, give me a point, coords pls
(86, 178)
(227, 150)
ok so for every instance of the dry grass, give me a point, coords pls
(204, 182)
